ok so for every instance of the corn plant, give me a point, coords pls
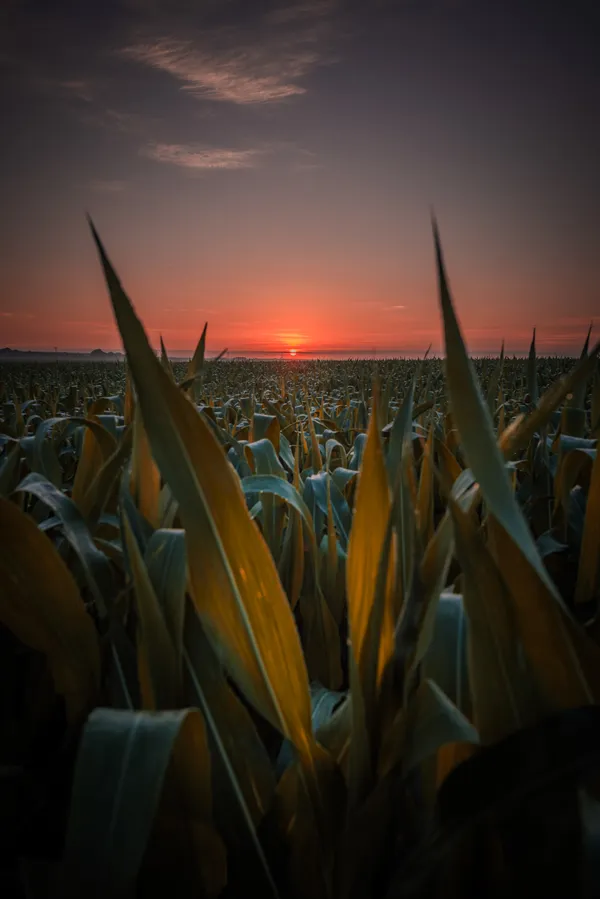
(272, 626)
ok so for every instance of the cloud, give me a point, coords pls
(78, 90)
(239, 76)
(203, 158)
(6, 314)
(262, 62)
(108, 187)
(389, 308)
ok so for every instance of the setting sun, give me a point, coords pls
(292, 352)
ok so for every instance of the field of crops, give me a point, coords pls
(299, 629)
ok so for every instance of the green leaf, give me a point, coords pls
(262, 458)
(9, 469)
(282, 488)
(155, 642)
(446, 659)
(166, 562)
(436, 722)
(316, 486)
(127, 763)
(266, 427)
(94, 563)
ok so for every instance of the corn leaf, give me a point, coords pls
(94, 563)
(145, 476)
(588, 571)
(155, 641)
(166, 561)
(502, 690)
(127, 766)
(196, 365)
(41, 605)
(483, 456)
(244, 783)
(233, 577)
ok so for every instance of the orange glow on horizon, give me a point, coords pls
(318, 316)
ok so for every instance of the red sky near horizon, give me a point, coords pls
(272, 173)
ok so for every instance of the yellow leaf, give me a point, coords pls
(370, 573)
(478, 442)
(317, 463)
(41, 605)
(233, 577)
(370, 521)
(97, 447)
(145, 476)
(425, 495)
(541, 624)
(159, 655)
(503, 692)
(129, 402)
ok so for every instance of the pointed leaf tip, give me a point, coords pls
(438, 252)
(90, 222)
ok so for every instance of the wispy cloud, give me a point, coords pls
(261, 63)
(202, 158)
(239, 76)
(78, 90)
(390, 308)
(6, 314)
(108, 187)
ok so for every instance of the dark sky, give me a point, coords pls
(270, 167)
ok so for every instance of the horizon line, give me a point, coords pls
(345, 353)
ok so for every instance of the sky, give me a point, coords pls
(270, 167)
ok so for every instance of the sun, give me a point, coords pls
(292, 352)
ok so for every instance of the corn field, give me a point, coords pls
(299, 629)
